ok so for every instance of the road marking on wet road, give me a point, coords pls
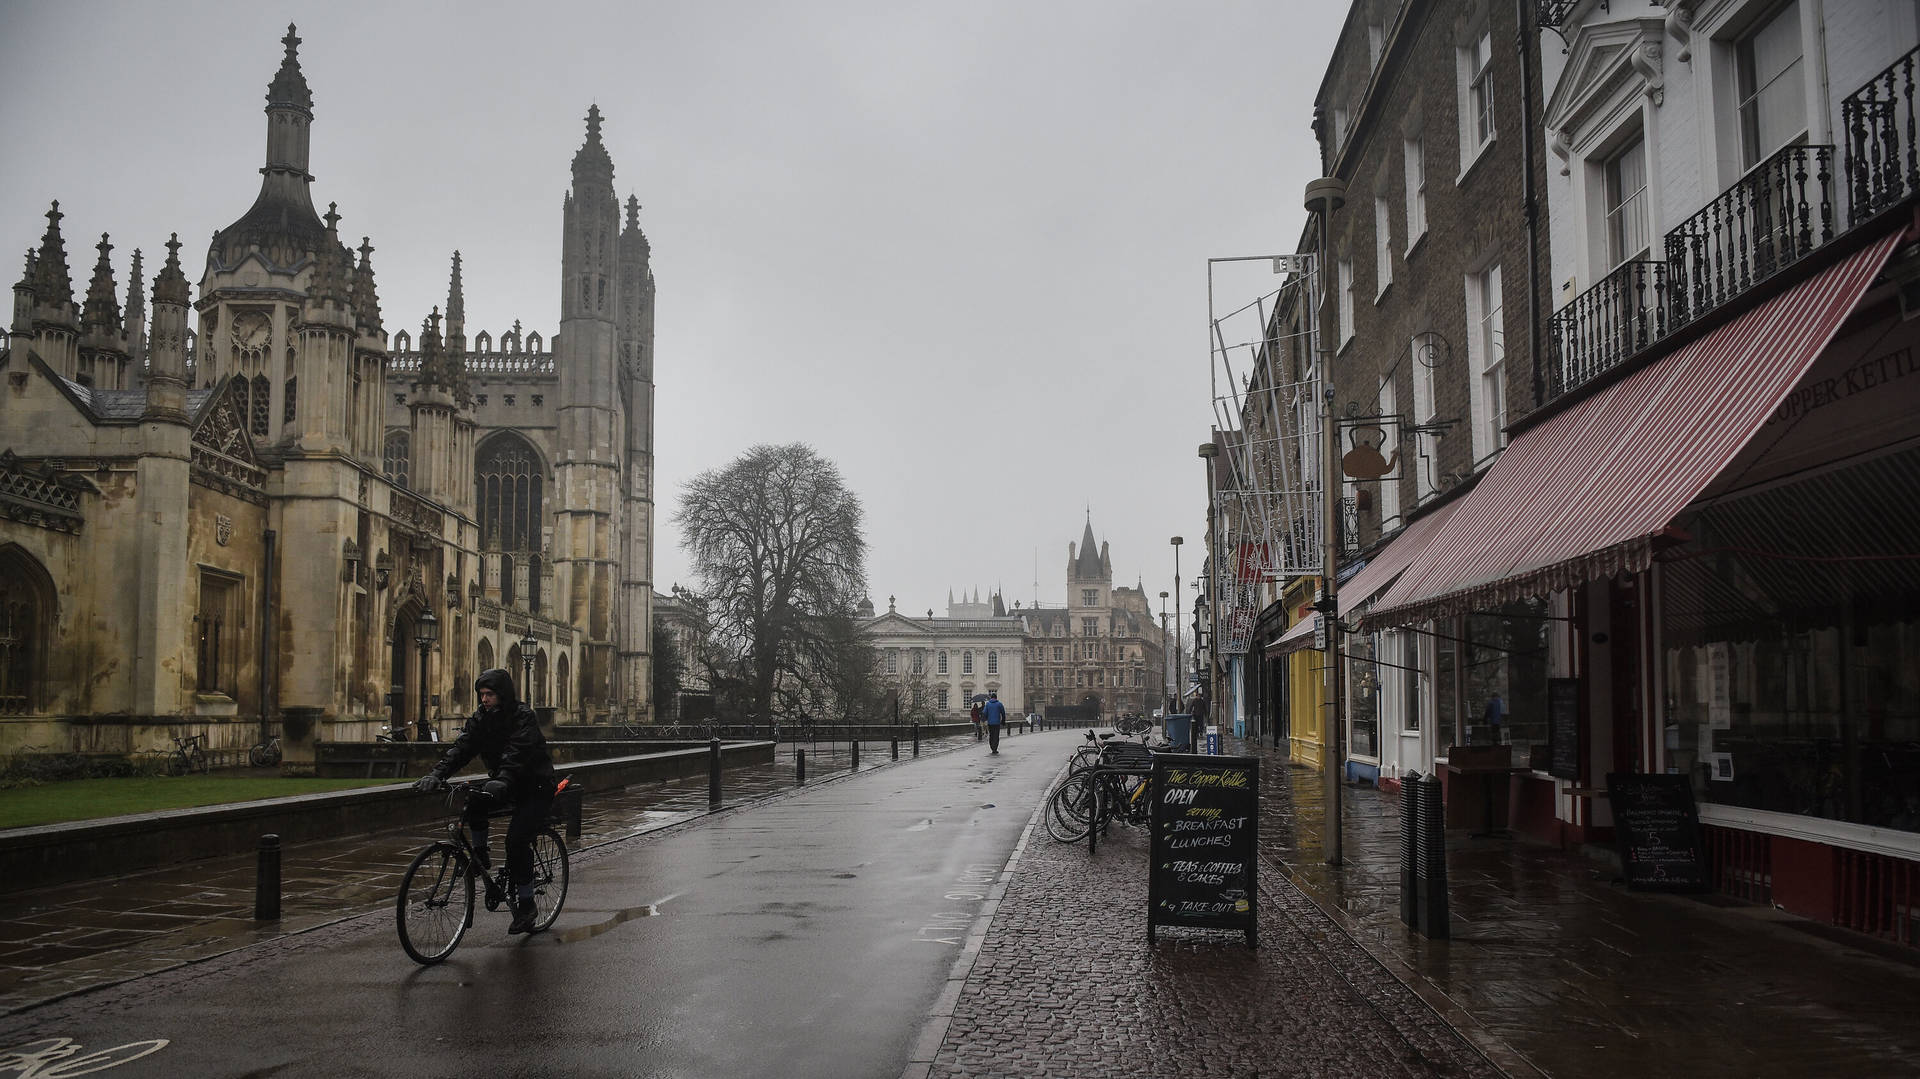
(971, 886)
(56, 1058)
(587, 932)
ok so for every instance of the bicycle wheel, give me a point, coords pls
(257, 757)
(202, 762)
(550, 875)
(435, 905)
(1069, 807)
(177, 764)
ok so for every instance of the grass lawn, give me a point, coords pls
(88, 799)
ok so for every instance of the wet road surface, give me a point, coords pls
(807, 935)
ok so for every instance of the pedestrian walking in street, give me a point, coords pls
(1202, 712)
(995, 715)
(978, 733)
(505, 734)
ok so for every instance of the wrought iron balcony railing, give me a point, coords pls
(1624, 313)
(1881, 167)
(1772, 217)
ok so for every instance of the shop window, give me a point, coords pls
(1363, 695)
(1504, 682)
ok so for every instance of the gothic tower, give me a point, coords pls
(590, 442)
(636, 394)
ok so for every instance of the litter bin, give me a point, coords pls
(1180, 731)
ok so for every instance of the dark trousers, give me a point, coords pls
(527, 818)
(993, 737)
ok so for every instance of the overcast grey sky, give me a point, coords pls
(959, 248)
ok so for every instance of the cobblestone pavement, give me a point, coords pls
(70, 938)
(1064, 984)
(1554, 968)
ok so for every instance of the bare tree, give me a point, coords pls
(775, 539)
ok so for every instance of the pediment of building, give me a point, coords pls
(1607, 63)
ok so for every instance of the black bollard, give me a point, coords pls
(1409, 849)
(574, 797)
(799, 767)
(916, 739)
(896, 747)
(713, 772)
(855, 765)
(266, 881)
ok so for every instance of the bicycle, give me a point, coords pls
(1113, 776)
(434, 909)
(265, 754)
(188, 756)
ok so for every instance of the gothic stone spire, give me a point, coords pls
(52, 284)
(289, 85)
(102, 311)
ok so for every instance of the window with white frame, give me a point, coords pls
(1382, 248)
(966, 663)
(1476, 97)
(1771, 83)
(1487, 353)
(1389, 484)
(1625, 175)
(1412, 684)
(1426, 463)
(993, 663)
(940, 697)
(1346, 301)
(942, 662)
(893, 661)
(1414, 150)
(1089, 627)
(919, 662)
(1089, 597)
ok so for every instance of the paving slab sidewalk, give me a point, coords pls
(1554, 968)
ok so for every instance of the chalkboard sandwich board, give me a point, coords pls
(1657, 828)
(1204, 849)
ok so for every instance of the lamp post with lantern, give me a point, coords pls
(426, 631)
(527, 644)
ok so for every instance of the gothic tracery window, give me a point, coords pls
(394, 458)
(257, 410)
(509, 487)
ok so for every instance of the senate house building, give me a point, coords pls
(251, 506)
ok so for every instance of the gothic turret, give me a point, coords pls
(136, 315)
(282, 225)
(23, 299)
(456, 309)
(366, 299)
(100, 317)
(56, 319)
(167, 348)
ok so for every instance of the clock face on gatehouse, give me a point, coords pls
(251, 329)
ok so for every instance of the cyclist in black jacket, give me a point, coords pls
(505, 734)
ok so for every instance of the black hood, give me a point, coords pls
(498, 680)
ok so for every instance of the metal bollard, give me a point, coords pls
(916, 739)
(574, 797)
(1430, 857)
(1409, 850)
(855, 765)
(799, 767)
(896, 747)
(266, 881)
(713, 772)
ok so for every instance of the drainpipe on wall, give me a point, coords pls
(266, 633)
(1529, 198)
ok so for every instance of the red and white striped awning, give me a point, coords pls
(1384, 567)
(1583, 495)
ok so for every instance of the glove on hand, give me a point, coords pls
(429, 784)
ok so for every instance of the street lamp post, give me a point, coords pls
(1213, 570)
(1166, 657)
(425, 632)
(527, 644)
(1323, 197)
(1179, 664)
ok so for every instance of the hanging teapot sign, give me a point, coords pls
(1363, 461)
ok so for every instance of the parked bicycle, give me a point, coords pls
(189, 755)
(435, 906)
(1083, 795)
(265, 754)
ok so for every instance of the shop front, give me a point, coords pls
(1707, 567)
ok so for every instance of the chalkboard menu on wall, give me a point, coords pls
(1657, 828)
(1206, 827)
(1563, 727)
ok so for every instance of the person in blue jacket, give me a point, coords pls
(505, 734)
(994, 714)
